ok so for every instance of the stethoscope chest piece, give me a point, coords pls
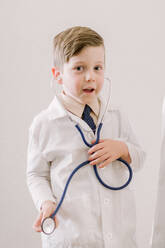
(48, 225)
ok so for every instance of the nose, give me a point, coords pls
(90, 77)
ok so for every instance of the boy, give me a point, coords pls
(91, 215)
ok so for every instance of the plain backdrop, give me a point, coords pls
(134, 38)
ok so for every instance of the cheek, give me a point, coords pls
(73, 83)
(100, 84)
(78, 85)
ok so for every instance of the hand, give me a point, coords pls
(47, 209)
(107, 151)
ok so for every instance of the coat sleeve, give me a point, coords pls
(127, 135)
(38, 170)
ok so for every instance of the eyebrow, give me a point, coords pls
(79, 62)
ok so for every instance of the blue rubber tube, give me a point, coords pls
(95, 170)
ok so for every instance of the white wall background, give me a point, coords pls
(134, 37)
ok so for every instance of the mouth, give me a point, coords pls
(88, 90)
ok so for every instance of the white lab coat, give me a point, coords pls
(158, 240)
(91, 215)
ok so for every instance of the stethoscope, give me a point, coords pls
(48, 225)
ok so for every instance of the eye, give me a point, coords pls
(78, 68)
(98, 68)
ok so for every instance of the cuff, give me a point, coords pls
(137, 155)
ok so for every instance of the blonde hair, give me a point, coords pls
(71, 41)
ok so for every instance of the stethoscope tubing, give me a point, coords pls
(95, 167)
(95, 170)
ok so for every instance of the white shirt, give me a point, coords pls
(77, 108)
(91, 215)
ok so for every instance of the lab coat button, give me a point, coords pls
(107, 201)
(90, 136)
(109, 236)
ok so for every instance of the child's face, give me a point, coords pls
(83, 76)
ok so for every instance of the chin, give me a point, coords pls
(89, 99)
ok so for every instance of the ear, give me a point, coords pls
(57, 75)
(53, 71)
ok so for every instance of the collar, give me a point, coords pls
(76, 107)
(56, 109)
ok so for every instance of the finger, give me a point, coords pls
(47, 212)
(106, 162)
(95, 148)
(37, 223)
(100, 159)
(97, 154)
(100, 141)
(93, 141)
(56, 221)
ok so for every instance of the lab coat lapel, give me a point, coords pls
(57, 110)
(80, 122)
